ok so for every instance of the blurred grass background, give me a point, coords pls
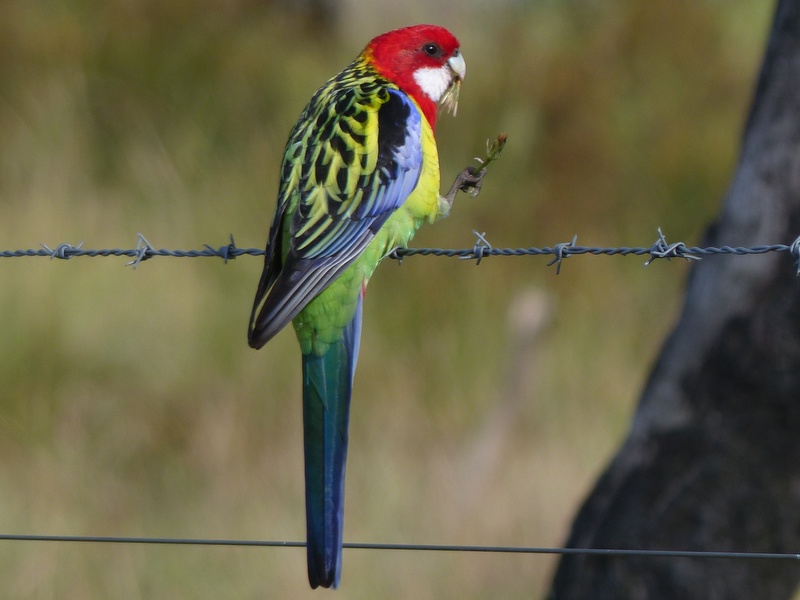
(131, 404)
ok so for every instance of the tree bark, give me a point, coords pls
(712, 460)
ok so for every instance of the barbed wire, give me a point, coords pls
(409, 547)
(144, 250)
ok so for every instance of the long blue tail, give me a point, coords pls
(327, 383)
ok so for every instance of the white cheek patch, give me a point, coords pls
(434, 82)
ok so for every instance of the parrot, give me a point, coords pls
(359, 176)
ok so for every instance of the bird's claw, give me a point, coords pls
(471, 181)
(468, 181)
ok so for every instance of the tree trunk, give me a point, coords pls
(712, 461)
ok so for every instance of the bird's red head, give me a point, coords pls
(424, 61)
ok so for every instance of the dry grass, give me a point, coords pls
(131, 403)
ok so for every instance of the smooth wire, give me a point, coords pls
(413, 547)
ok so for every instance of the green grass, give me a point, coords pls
(131, 404)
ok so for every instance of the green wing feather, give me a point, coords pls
(351, 161)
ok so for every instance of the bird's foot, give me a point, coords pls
(468, 181)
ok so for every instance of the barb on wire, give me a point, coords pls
(398, 254)
(143, 247)
(481, 245)
(228, 251)
(62, 251)
(561, 252)
(794, 250)
(660, 249)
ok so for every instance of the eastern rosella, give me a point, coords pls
(359, 175)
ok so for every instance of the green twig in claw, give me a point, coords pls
(493, 150)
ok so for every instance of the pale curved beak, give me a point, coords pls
(457, 64)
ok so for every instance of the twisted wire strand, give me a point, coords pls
(482, 249)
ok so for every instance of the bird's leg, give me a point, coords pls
(468, 181)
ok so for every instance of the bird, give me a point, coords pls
(359, 176)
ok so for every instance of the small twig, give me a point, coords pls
(493, 150)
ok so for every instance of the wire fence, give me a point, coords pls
(144, 250)
(482, 249)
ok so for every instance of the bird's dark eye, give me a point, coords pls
(432, 49)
